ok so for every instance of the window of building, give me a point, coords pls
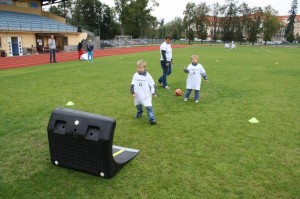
(65, 40)
(34, 5)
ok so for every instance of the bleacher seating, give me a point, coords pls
(16, 21)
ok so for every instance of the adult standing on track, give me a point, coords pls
(79, 48)
(165, 61)
(90, 48)
(52, 49)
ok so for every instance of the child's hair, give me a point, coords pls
(195, 57)
(141, 63)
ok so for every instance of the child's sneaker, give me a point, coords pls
(153, 121)
(185, 99)
(196, 101)
(138, 116)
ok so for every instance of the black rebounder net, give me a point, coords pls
(83, 141)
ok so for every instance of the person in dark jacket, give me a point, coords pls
(90, 49)
(79, 48)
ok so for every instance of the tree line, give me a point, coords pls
(231, 21)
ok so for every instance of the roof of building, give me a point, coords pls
(49, 2)
(286, 17)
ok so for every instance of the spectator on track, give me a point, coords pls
(79, 48)
(90, 49)
(52, 48)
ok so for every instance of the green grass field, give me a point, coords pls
(196, 150)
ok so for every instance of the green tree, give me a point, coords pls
(289, 31)
(245, 13)
(253, 24)
(76, 13)
(121, 8)
(62, 9)
(90, 14)
(89, 11)
(215, 22)
(138, 18)
(201, 20)
(175, 28)
(189, 19)
(109, 27)
(230, 21)
(271, 24)
(162, 29)
(152, 29)
(135, 16)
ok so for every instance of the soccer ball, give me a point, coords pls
(178, 92)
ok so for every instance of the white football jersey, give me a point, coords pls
(143, 88)
(193, 80)
(168, 49)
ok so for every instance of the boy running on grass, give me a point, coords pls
(142, 89)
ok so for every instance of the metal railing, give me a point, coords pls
(36, 27)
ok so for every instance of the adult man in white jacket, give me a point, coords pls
(165, 61)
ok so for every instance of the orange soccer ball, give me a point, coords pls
(178, 92)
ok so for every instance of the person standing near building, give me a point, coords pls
(90, 48)
(79, 48)
(165, 61)
(52, 49)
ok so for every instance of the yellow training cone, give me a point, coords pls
(70, 103)
(253, 120)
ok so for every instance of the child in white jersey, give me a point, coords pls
(142, 89)
(193, 81)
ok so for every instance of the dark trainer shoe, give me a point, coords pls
(152, 121)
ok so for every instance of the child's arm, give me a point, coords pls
(203, 74)
(186, 70)
(132, 86)
(152, 85)
(155, 91)
(132, 90)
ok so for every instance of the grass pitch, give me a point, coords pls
(196, 150)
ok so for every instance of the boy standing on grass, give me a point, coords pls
(193, 81)
(142, 89)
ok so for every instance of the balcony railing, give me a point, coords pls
(36, 27)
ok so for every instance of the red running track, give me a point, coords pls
(34, 60)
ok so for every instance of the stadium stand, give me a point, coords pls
(25, 29)
(31, 22)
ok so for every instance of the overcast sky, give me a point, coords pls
(169, 9)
